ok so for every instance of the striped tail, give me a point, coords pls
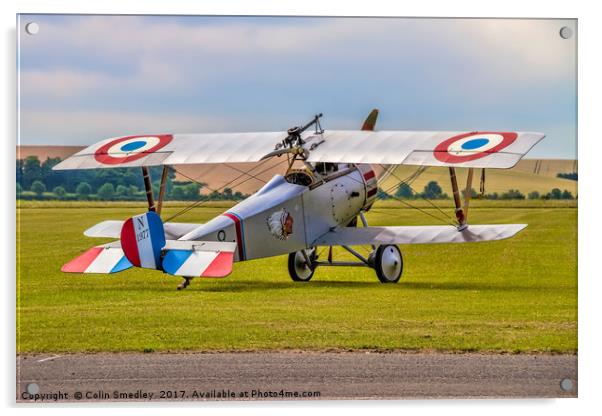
(143, 239)
(143, 244)
(107, 258)
(199, 258)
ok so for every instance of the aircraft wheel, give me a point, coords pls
(298, 268)
(388, 263)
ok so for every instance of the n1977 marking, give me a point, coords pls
(142, 235)
(144, 232)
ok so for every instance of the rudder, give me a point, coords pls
(142, 239)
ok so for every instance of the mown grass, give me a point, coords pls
(507, 296)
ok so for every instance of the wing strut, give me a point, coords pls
(149, 188)
(461, 213)
(457, 202)
(162, 188)
(468, 192)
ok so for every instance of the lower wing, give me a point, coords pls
(349, 236)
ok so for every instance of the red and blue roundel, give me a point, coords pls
(130, 148)
(470, 146)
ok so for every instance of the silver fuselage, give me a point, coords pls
(307, 212)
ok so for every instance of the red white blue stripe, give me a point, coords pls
(192, 263)
(142, 238)
(101, 259)
(240, 234)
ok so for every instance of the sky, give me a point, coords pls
(85, 78)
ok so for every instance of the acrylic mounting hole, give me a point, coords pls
(33, 388)
(566, 384)
(566, 32)
(32, 28)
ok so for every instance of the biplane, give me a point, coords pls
(328, 186)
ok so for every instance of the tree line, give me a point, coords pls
(570, 175)
(37, 180)
(432, 190)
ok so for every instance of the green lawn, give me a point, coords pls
(513, 295)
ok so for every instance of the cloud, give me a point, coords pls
(515, 50)
(63, 83)
(87, 127)
(246, 73)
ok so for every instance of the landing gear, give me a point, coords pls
(184, 284)
(386, 260)
(301, 265)
(388, 263)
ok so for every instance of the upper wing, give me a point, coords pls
(177, 149)
(417, 234)
(431, 148)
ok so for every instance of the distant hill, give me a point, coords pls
(45, 152)
(528, 175)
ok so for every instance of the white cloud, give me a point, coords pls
(519, 50)
(62, 83)
(65, 83)
(79, 64)
(87, 126)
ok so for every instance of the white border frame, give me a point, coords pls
(590, 285)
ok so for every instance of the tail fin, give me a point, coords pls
(142, 239)
(370, 121)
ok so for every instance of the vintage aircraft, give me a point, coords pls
(328, 185)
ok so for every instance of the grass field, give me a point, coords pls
(513, 296)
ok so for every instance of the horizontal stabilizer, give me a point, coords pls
(199, 258)
(112, 229)
(107, 258)
(349, 236)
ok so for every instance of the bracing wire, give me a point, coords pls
(411, 178)
(202, 200)
(414, 177)
(408, 180)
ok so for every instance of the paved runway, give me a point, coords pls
(290, 375)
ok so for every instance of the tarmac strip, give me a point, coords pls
(156, 377)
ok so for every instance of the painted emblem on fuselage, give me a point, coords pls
(280, 224)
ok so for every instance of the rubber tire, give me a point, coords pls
(378, 264)
(292, 271)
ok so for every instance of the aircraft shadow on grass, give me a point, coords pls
(259, 286)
